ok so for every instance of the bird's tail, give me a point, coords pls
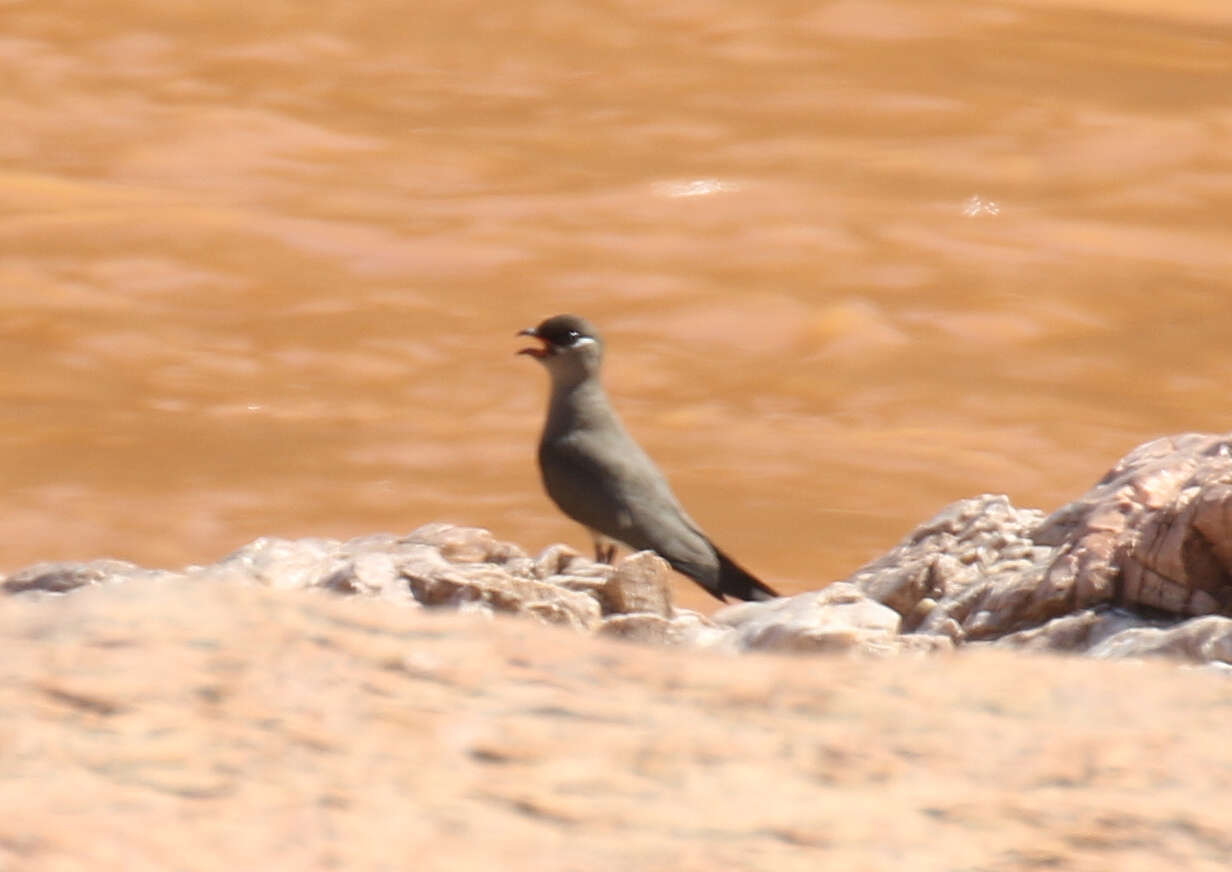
(738, 582)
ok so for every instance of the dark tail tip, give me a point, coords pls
(736, 581)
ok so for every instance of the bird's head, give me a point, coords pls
(570, 348)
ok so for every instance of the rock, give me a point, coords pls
(282, 563)
(495, 589)
(373, 574)
(686, 628)
(557, 560)
(637, 628)
(578, 613)
(839, 618)
(972, 571)
(1155, 531)
(639, 584)
(1202, 640)
(64, 577)
(465, 544)
(1076, 632)
(438, 565)
(589, 585)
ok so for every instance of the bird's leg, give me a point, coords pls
(605, 549)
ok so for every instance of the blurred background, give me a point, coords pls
(261, 263)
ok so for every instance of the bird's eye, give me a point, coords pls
(572, 336)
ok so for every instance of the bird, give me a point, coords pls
(600, 477)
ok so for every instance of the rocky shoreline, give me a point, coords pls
(1141, 565)
(367, 705)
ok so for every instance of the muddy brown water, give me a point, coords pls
(261, 264)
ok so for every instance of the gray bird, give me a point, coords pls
(598, 476)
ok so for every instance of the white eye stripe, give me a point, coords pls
(582, 340)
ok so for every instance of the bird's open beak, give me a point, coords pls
(538, 353)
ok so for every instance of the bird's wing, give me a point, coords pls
(609, 484)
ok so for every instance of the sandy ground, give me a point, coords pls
(204, 726)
